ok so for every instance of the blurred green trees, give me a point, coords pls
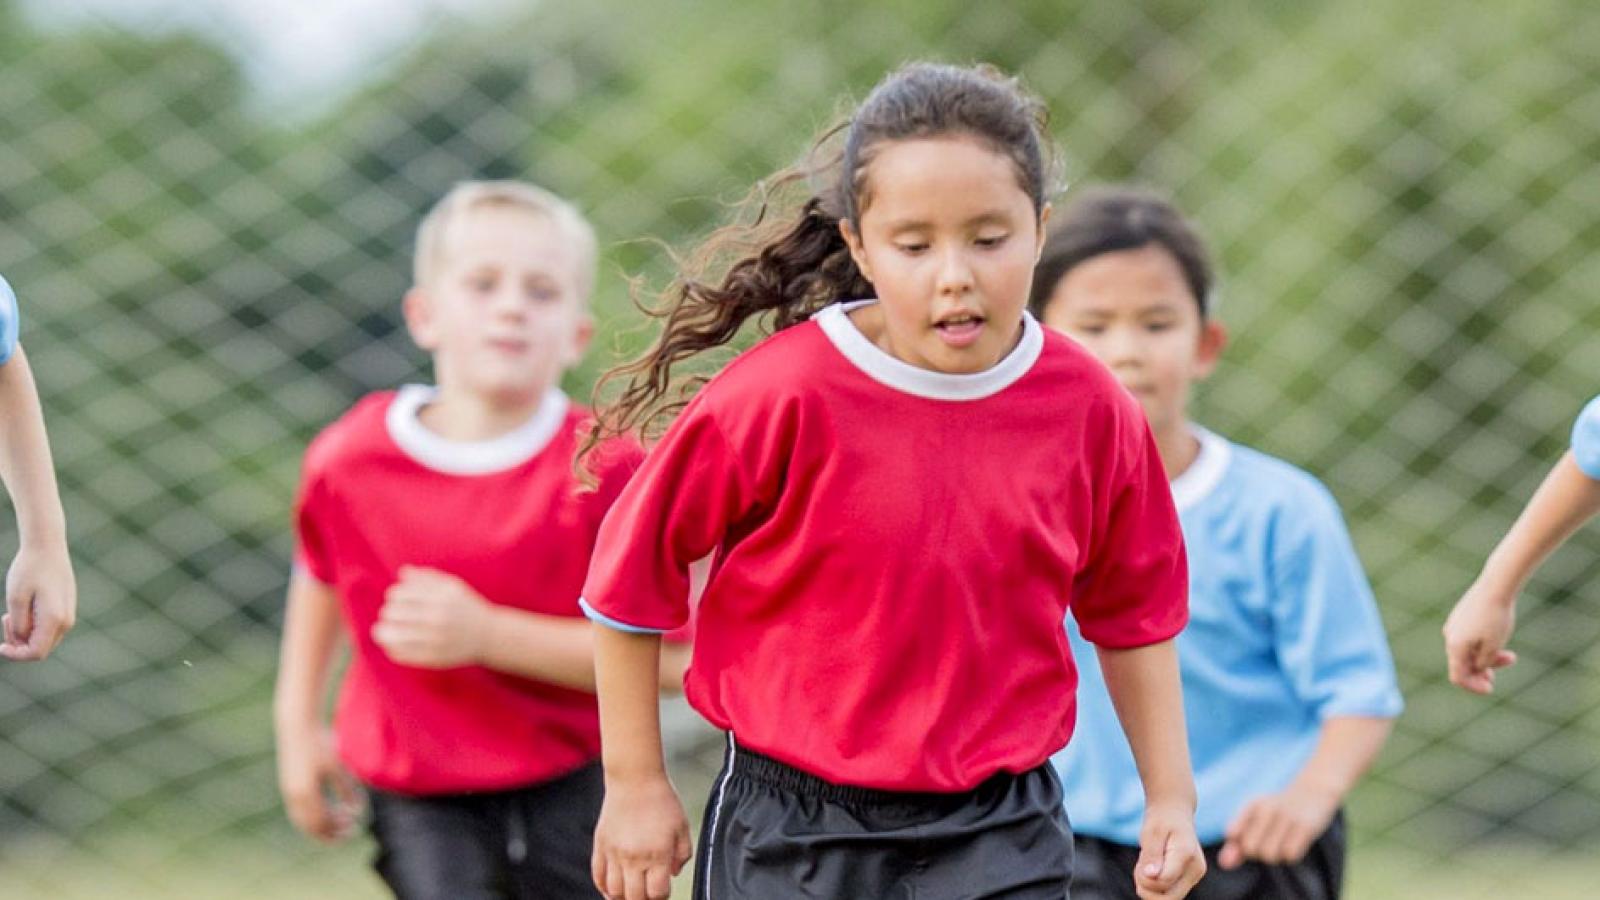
(1395, 195)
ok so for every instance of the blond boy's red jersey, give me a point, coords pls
(378, 491)
(895, 550)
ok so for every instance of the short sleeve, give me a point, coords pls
(1586, 439)
(312, 554)
(673, 513)
(614, 463)
(1135, 589)
(9, 322)
(1327, 633)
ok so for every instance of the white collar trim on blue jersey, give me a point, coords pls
(441, 454)
(1205, 473)
(834, 320)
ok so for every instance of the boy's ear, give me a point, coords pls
(1213, 340)
(417, 308)
(857, 251)
(582, 336)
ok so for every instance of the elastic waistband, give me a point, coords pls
(763, 769)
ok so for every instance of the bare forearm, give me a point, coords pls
(560, 650)
(25, 457)
(554, 649)
(1561, 505)
(311, 632)
(1346, 749)
(627, 675)
(1147, 693)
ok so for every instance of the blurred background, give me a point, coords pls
(207, 210)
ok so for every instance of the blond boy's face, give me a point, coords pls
(1134, 310)
(503, 313)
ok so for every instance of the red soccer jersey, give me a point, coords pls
(896, 550)
(379, 491)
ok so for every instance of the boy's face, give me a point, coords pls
(1134, 311)
(503, 314)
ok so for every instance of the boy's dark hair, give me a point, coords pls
(781, 272)
(1107, 218)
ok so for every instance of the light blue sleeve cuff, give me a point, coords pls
(9, 321)
(596, 615)
(1586, 439)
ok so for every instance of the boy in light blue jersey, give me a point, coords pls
(41, 595)
(1480, 626)
(1289, 689)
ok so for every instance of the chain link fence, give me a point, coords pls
(1401, 199)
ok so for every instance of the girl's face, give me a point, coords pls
(949, 239)
(1134, 311)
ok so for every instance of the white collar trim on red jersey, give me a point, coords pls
(1205, 473)
(441, 454)
(834, 320)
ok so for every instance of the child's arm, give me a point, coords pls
(309, 773)
(1280, 828)
(1478, 629)
(1330, 645)
(1145, 689)
(434, 620)
(642, 838)
(41, 594)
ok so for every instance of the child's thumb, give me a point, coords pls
(19, 618)
(1483, 654)
(1153, 858)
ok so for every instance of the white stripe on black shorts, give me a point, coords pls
(773, 831)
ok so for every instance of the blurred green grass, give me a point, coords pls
(250, 870)
(277, 864)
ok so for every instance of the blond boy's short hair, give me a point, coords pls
(470, 195)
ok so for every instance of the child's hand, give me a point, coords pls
(1170, 859)
(433, 620)
(641, 841)
(1476, 634)
(1279, 828)
(41, 602)
(319, 795)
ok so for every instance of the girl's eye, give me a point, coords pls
(481, 284)
(1157, 327)
(912, 249)
(543, 293)
(1091, 329)
(992, 241)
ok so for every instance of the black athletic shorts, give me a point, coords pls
(772, 831)
(532, 842)
(1105, 872)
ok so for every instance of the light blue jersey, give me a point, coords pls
(1283, 633)
(1586, 439)
(8, 322)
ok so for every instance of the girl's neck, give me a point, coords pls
(459, 415)
(1178, 448)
